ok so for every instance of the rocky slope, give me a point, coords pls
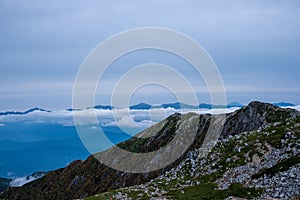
(263, 163)
(4, 183)
(257, 144)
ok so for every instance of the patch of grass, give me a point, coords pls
(103, 196)
(136, 195)
(277, 115)
(238, 190)
(279, 167)
(208, 191)
(168, 185)
(203, 191)
(210, 178)
(274, 139)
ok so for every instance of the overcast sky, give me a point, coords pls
(255, 44)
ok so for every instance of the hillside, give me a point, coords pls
(4, 183)
(262, 163)
(259, 145)
(23, 113)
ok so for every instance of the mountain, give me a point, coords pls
(178, 105)
(23, 113)
(145, 106)
(73, 109)
(26, 179)
(256, 154)
(263, 163)
(205, 106)
(255, 115)
(234, 104)
(4, 183)
(230, 105)
(141, 106)
(106, 107)
(283, 104)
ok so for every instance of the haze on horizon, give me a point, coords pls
(254, 44)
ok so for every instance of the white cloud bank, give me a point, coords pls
(118, 117)
(17, 182)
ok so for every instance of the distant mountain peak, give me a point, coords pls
(104, 107)
(234, 104)
(283, 104)
(23, 113)
(141, 106)
(179, 105)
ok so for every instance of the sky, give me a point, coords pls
(255, 45)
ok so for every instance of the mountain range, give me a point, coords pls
(255, 156)
(23, 113)
(178, 105)
(145, 106)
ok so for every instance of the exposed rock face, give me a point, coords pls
(90, 177)
(253, 116)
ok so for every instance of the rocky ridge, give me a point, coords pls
(259, 143)
(263, 162)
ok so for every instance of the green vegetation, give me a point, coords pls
(275, 115)
(209, 191)
(297, 133)
(203, 191)
(238, 151)
(210, 178)
(238, 190)
(109, 195)
(138, 195)
(279, 167)
(103, 196)
(232, 153)
(98, 197)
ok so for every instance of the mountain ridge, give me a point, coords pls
(146, 106)
(89, 177)
(23, 113)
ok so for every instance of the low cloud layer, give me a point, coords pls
(120, 117)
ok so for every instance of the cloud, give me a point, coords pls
(128, 122)
(51, 39)
(20, 181)
(124, 118)
(294, 107)
(17, 182)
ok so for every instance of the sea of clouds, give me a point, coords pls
(131, 118)
(123, 117)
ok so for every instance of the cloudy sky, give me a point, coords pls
(255, 45)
